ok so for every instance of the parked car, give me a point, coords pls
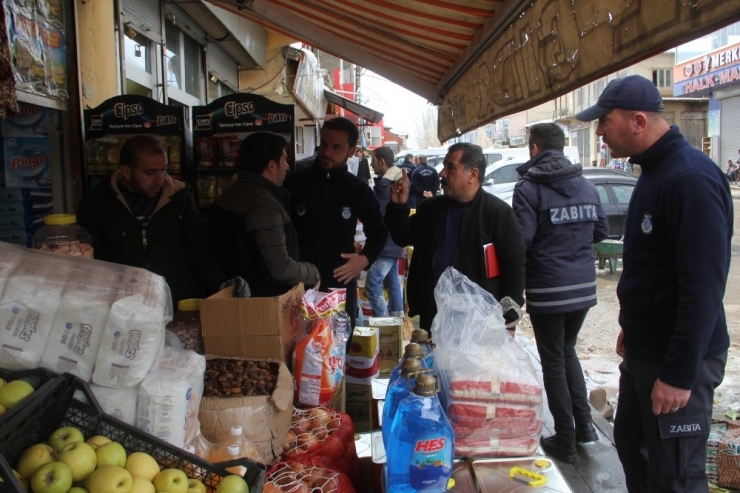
(615, 190)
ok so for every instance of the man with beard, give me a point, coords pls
(459, 229)
(677, 249)
(326, 203)
(142, 217)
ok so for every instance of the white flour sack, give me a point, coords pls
(10, 258)
(119, 403)
(169, 398)
(134, 334)
(27, 308)
(79, 323)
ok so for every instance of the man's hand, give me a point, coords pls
(668, 399)
(400, 190)
(428, 194)
(620, 344)
(351, 269)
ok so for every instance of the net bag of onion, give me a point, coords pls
(305, 477)
(327, 436)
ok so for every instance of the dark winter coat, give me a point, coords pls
(253, 236)
(561, 218)
(383, 192)
(677, 248)
(174, 244)
(487, 220)
(325, 208)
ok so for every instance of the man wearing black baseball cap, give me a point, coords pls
(676, 257)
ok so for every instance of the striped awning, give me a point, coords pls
(483, 59)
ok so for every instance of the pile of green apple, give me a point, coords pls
(69, 464)
(13, 393)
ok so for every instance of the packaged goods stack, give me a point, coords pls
(25, 181)
(218, 130)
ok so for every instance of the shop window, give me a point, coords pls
(139, 52)
(184, 67)
(663, 77)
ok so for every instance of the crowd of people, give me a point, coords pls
(275, 228)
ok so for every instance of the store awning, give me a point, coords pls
(483, 59)
(354, 107)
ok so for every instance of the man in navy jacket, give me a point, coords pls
(561, 218)
(676, 258)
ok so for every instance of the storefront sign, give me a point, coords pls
(703, 74)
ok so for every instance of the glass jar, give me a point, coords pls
(186, 324)
(61, 234)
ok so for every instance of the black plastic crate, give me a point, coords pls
(63, 409)
(46, 384)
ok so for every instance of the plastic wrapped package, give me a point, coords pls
(10, 258)
(74, 339)
(318, 358)
(169, 398)
(119, 403)
(489, 386)
(28, 306)
(134, 335)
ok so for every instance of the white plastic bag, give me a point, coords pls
(489, 385)
(119, 403)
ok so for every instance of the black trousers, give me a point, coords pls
(556, 336)
(665, 453)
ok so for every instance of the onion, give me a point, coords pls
(271, 487)
(333, 425)
(306, 425)
(320, 433)
(321, 415)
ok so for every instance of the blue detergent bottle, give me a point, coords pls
(422, 338)
(412, 350)
(399, 390)
(421, 444)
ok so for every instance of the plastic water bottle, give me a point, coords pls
(421, 445)
(221, 452)
(421, 337)
(412, 350)
(399, 390)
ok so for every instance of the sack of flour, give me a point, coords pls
(10, 258)
(79, 323)
(28, 306)
(119, 403)
(134, 335)
(169, 398)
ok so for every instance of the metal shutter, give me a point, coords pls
(221, 63)
(145, 16)
(729, 137)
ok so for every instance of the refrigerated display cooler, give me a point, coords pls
(219, 128)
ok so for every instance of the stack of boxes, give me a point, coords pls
(25, 181)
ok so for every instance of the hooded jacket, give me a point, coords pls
(325, 207)
(254, 237)
(561, 218)
(677, 249)
(174, 244)
(487, 220)
(383, 192)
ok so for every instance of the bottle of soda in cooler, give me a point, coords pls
(412, 350)
(399, 390)
(422, 338)
(421, 444)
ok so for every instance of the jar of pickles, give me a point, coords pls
(61, 234)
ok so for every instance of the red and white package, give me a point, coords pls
(493, 387)
(487, 447)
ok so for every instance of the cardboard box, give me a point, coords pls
(264, 419)
(251, 327)
(391, 342)
(339, 401)
(359, 406)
